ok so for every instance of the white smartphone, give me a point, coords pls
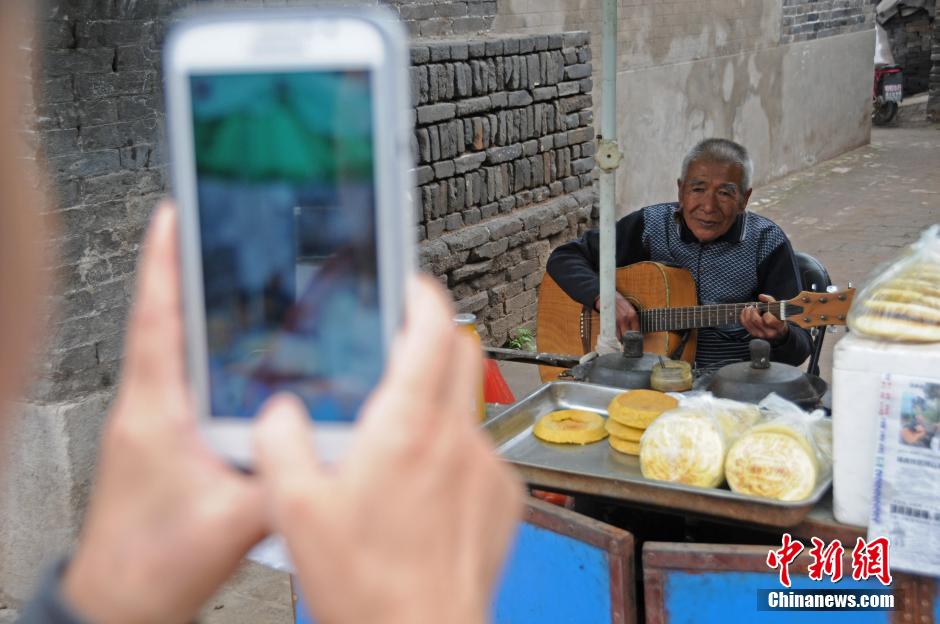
(291, 157)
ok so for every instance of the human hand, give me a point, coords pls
(766, 325)
(414, 524)
(626, 315)
(168, 521)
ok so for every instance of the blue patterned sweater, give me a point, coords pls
(753, 257)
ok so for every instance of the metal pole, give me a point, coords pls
(608, 157)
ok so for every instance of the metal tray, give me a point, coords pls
(599, 470)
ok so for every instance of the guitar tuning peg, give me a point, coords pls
(813, 287)
(833, 329)
(831, 288)
(849, 285)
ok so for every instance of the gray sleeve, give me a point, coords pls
(48, 606)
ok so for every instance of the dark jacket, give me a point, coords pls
(753, 257)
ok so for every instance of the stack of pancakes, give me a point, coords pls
(904, 307)
(688, 444)
(630, 413)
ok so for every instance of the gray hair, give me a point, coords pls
(723, 151)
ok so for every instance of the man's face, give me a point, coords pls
(711, 197)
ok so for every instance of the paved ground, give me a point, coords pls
(852, 213)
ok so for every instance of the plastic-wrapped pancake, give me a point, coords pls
(570, 427)
(616, 430)
(734, 417)
(684, 446)
(639, 408)
(903, 302)
(774, 461)
(624, 446)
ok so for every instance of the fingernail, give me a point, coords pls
(282, 406)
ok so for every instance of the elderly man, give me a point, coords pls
(734, 256)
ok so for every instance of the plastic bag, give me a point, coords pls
(784, 456)
(883, 55)
(902, 303)
(688, 444)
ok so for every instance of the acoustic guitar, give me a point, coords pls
(665, 299)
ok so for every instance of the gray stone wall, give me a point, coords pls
(503, 129)
(501, 106)
(100, 123)
(505, 148)
(433, 18)
(813, 19)
(911, 38)
(933, 100)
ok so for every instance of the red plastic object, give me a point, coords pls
(560, 500)
(495, 388)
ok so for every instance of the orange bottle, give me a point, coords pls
(468, 322)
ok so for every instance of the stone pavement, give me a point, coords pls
(862, 209)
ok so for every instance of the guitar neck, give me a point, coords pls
(694, 317)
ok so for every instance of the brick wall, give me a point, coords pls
(933, 101)
(100, 122)
(433, 18)
(504, 134)
(813, 19)
(505, 150)
(911, 38)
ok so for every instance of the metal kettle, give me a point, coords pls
(752, 381)
(628, 369)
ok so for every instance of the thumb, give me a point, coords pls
(284, 455)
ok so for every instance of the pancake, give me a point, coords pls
(639, 408)
(628, 447)
(773, 461)
(570, 427)
(684, 446)
(615, 429)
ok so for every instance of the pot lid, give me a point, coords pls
(628, 369)
(631, 358)
(759, 377)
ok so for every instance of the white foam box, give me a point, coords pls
(859, 366)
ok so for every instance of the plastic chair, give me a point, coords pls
(815, 277)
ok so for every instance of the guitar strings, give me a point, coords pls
(668, 319)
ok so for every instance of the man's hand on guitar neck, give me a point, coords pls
(627, 318)
(766, 325)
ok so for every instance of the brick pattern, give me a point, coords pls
(911, 38)
(933, 100)
(435, 18)
(505, 149)
(814, 19)
(100, 123)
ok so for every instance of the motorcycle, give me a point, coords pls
(887, 93)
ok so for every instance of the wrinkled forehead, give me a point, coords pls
(715, 171)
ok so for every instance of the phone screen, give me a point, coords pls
(286, 203)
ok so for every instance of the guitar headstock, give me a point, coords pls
(816, 309)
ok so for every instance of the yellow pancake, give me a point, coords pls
(639, 408)
(570, 427)
(624, 446)
(773, 464)
(616, 430)
(684, 447)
